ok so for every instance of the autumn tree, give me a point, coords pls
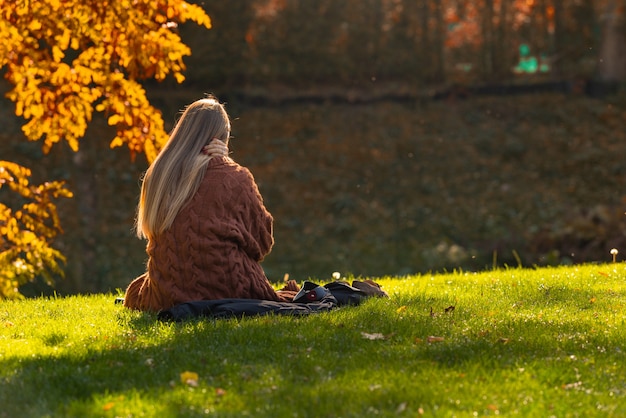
(67, 59)
(26, 230)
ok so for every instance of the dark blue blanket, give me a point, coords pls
(312, 298)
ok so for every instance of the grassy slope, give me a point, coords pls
(518, 342)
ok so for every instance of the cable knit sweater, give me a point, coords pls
(213, 248)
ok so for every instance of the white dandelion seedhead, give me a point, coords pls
(336, 275)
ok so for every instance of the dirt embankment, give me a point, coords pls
(382, 188)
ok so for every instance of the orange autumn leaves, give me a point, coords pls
(189, 378)
(27, 229)
(192, 378)
(67, 59)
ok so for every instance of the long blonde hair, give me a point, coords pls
(176, 173)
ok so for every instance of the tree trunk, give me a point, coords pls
(488, 41)
(611, 65)
(85, 273)
(503, 49)
(439, 44)
(559, 38)
(543, 33)
(425, 47)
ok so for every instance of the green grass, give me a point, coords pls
(519, 342)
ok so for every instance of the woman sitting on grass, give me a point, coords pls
(204, 218)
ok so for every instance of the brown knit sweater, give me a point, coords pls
(213, 248)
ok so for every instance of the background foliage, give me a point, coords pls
(406, 43)
(388, 188)
(388, 136)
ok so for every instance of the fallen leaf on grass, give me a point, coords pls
(574, 385)
(375, 336)
(401, 309)
(401, 408)
(433, 339)
(189, 378)
(108, 406)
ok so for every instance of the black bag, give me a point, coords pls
(344, 293)
(311, 298)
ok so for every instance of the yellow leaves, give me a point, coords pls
(151, 148)
(57, 100)
(117, 41)
(25, 232)
(189, 378)
(63, 40)
(179, 77)
(171, 12)
(16, 177)
(57, 54)
(108, 406)
(55, 4)
(10, 228)
(192, 379)
(114, 119)
(139, 125)
(493, 408)
(34, 25)
(196, 14)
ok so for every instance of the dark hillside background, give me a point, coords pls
(387, 138)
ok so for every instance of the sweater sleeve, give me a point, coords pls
(256, 220)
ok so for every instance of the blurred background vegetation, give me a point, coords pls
(388, 137)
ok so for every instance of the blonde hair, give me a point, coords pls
(176, 173)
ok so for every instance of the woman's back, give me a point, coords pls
(213, 248)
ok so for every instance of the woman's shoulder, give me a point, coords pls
(225, 163)
(227, 166)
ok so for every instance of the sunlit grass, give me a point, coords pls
(525, 342)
